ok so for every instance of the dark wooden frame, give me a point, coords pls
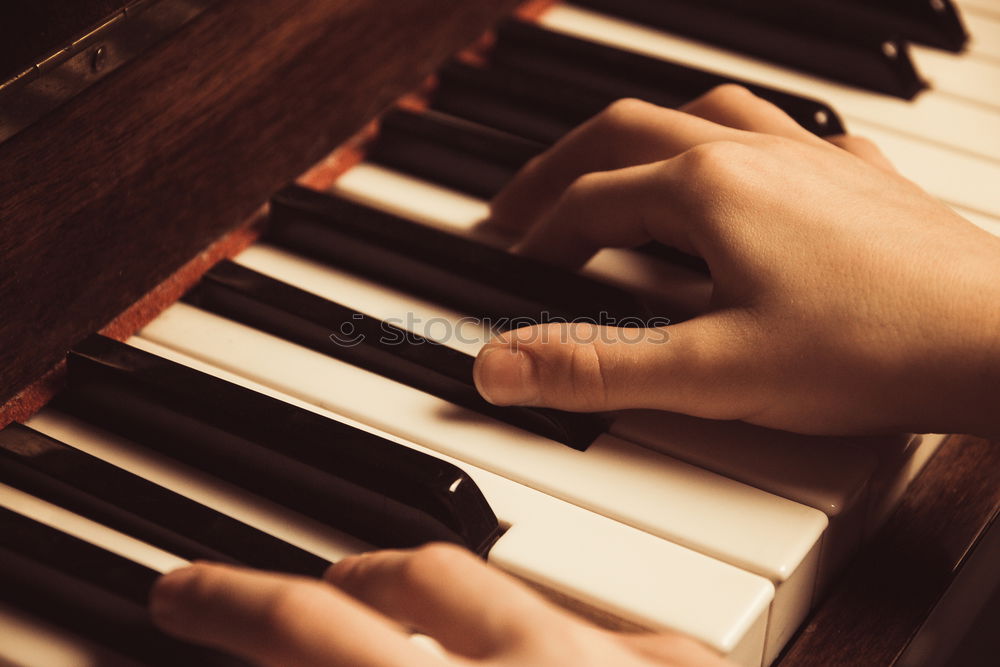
(108, 196)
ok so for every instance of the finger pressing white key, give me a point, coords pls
(446, 593)
(275, 619)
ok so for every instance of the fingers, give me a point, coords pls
(864, 149)
(735, 106)
(681, 202)
(669, 648)
(617, 209)
(632, 132)
(446, 593)
(628, 132)
(703, 367)
(276, 620)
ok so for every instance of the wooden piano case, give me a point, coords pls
(114, 198)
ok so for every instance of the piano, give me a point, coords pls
(193, 355)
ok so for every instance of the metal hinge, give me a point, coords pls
(71, 69)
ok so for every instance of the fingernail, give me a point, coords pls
(168, 593)
(505, 376)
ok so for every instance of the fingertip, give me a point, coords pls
(168, 594)
(345, 568)
(510, 213)
(505, 375)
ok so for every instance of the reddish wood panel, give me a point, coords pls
(110, 195)
(884, 598)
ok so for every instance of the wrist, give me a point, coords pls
(967, 396)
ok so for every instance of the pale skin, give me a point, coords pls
(845, 300)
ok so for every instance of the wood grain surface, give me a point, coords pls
(108, 196)
(882, 600)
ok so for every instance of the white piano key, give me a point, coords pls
(762, 533)
(30, 642)
(984, 35)
(972, 79)
(957, 178)
(618, 570)
(83, 528)
(406, 196)
(930, 117)
(205, 489)
(978, 7)
(829, 474)
(631, 577)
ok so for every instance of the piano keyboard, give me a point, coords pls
(724, 531)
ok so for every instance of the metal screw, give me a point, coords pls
(98, 59)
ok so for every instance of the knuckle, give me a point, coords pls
(722, 174)
(619, 121)
(624, 111)
(729, 93)
(285, 606)
(532, 164)
(714, 159)
(426, 565)
(582, 187)
(622, 130)
(854, 143)
(589, 369)
(584, 183)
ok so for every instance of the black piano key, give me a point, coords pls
(463, 274)
(500, 147)
(473, 159)
(53, 471)
(550, 55)
(820, 38)
(465, 156)
(270, 305)
(931, 22)
(379, 491)
(76, 557)
(516, 102)
(88, 591)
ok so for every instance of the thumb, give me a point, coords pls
(691, 367)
